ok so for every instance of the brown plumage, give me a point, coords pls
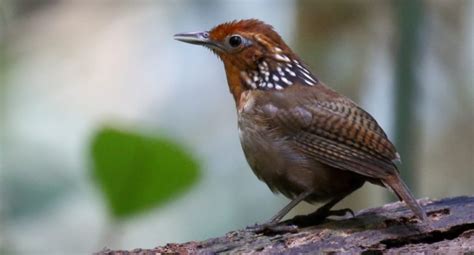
(299, 136)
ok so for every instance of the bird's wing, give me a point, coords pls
(335, 131)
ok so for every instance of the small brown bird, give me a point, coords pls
(299, 136)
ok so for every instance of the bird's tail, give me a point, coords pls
(396, 184)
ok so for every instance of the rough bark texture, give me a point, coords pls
(390, 229)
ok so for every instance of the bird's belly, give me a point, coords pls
(287, 171)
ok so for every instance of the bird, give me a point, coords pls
(299, 136)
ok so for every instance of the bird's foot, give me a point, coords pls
(271, 228)
(341, 212)
(319, 216)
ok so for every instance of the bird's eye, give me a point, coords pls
(235, 41)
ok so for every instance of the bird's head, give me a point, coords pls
(254, 56)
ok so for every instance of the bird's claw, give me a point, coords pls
(341, 212)
(319, 216)
(272, 228)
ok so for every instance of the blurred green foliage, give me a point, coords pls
(137, 172)
(409, 15)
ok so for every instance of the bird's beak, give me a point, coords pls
(198, 38)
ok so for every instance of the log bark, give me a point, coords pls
(390, 229)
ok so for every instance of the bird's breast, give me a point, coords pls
(270, 155)
(246, 102)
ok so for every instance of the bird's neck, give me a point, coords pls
(275, 72)
(234, 80)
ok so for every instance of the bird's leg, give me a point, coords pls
(322, 213)
(284, 211)
(272, 224)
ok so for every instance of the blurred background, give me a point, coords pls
(115, 135)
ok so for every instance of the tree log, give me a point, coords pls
(390, 229)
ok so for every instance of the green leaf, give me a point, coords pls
(137, 172)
